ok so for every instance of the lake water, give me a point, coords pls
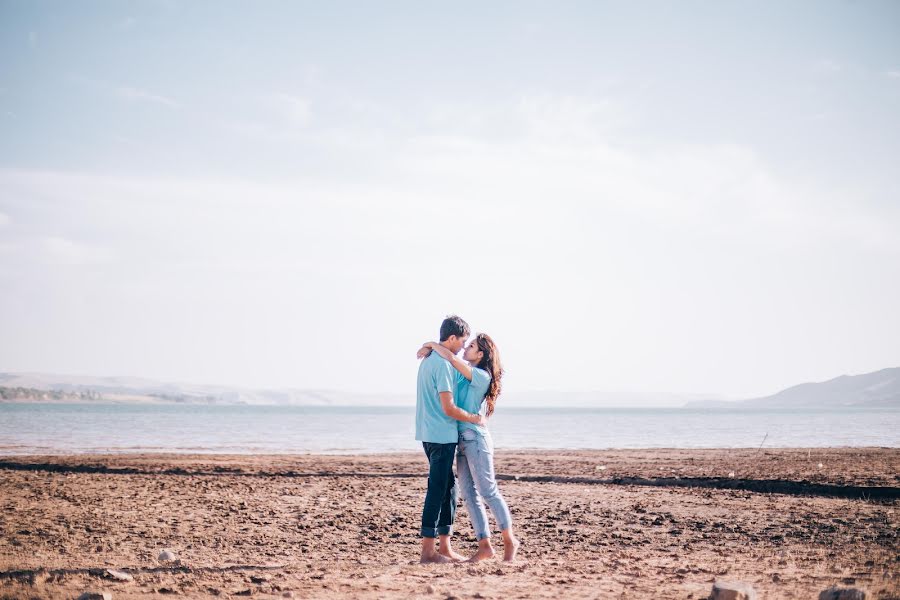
(94, 428)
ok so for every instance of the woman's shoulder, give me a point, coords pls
(481, 373)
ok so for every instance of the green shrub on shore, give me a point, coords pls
(22, 393)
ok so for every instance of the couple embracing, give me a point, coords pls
(453, 401)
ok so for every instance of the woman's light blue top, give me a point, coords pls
(470, 396)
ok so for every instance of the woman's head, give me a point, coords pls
(482, 353)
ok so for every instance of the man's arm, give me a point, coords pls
(455, 412)
(458, 363)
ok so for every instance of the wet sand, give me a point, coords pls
(649, 523)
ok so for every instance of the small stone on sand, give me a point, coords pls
(118, 575)
(732, 590)
(838, 593)
(166, 556)
(95, 596)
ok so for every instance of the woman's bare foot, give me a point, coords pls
(434, 558)
(510, 547)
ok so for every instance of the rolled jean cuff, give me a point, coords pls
(445, 530)
(429, 532)
(482, 536)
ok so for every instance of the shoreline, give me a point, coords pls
(28, 452)
(338, 526)
(410, 405)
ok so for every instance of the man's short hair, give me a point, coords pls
(454, 325)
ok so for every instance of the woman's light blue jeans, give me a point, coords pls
(475, 468)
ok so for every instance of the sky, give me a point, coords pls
(679, 197)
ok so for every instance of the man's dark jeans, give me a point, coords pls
(440, 499)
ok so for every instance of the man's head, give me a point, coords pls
(454, 333)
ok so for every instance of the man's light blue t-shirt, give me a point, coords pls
(471, 395)
(432, 423)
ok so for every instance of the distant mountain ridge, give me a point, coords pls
(137, 390)
(44, 387)
(879, 389)
(871, 390)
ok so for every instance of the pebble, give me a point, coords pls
(838, 593)
(95, 596)
(732, 590)
(429, 589)
(287, 594)
(166, 556)
(119, 575)
(601, 467)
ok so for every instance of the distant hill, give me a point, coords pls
(879, 389)
(42, 387)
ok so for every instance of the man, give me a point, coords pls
(436, 428)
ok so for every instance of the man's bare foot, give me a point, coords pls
(509, 550)
(434, 558)
(451, 555)
(482, 554)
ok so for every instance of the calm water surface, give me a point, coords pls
(86, 428)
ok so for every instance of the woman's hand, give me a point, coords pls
(423, 352)
(482, 420)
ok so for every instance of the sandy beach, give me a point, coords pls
(593, 524)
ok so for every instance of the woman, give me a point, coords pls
(480, 366)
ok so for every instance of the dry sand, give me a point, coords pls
(653, 523)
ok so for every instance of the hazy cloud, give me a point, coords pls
(59, 250)
(274, 117)
(132, 93)
(126, 23)
(551, 115)
(293, 110)
(827, 66)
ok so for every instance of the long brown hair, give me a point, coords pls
(490, 362)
